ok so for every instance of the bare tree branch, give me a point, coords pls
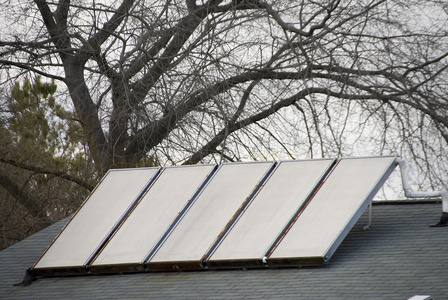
(23, 198)
(60, 174)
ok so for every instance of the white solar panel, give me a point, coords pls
(269, 213)
(152, 217)
(228, 190)
(332, 212)
(96, 219)
(233, 215)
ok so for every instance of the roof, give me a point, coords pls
(398, 257)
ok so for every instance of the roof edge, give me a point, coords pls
(407, 201)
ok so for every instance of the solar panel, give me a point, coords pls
(97, 218)
(173, 190)
(234, 215)
(209, 216)
(333, 211)
(270, 212)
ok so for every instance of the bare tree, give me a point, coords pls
(185, 82)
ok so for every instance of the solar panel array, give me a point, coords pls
(287, 213)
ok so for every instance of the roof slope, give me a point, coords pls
(398, 257)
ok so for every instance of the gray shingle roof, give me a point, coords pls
(400, 256)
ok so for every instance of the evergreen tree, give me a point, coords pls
(44, 170)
